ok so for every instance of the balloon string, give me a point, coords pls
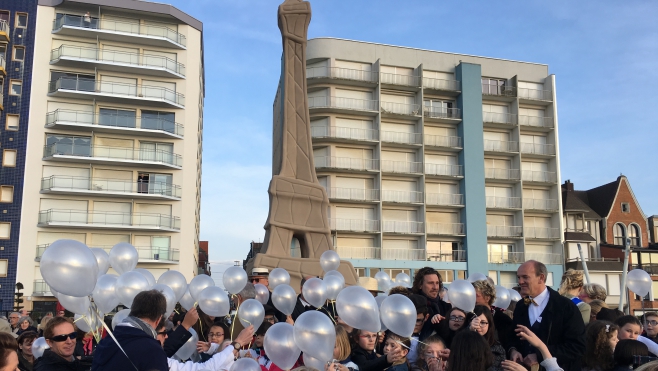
(234, 318)
(416, 340)
(399, 342)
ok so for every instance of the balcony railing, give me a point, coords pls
(500, 146)
(540, 204)
(446, 229)
(500, 257)
(354, 225)
(113, 153)
(441, 113)
(447, 255)
(398, 137)
(116, 89)
(4, 28)
(341, 73)
(403, 167)
(539, 176)
(439, 84)
(499, 118)
(442, 169)
(355, 194)
(343, 103)
(401, 108)
(542, 233)
(41, 288)
(394, 226)
(442, 141)
(536, 121)
(117, 57)
(535, 94)
(119, 121)
(108, 218)
(403, 254)
(504, 231)
(396, 79)
(402, 196)
(119, 26)
(359, 252)
(444, 199)
(70, 183)
(344, 133)
(502, 174)
(545, 257)
(501, 90)
(145, 253)
(3, 63)
(346, 163)
(538, 149)
(503, 202)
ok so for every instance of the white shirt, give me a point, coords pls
(221, 361)
(534, 311)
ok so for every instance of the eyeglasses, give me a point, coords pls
(269, 319)
(215, 335)
(484, 323)
(60, 338)
(13, 317)
(457, 318)
(370, 337)
(652, 323)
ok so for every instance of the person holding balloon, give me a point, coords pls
(400, 345)
(364, 356)
(432, 355)
(342, 350)
(481, 321)
(486, 295)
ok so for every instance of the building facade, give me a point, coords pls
(434, 158)
(115, 131)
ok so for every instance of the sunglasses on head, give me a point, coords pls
(60, 338)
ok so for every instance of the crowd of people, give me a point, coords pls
(571, 329)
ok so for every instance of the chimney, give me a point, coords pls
(567, 186)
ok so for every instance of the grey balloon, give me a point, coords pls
(123, 257)
(403, 279)
(278, 276)
(398, 313)
(315, 292)
(462, 295)
(103, 260)
(262, 293)
(379, 299)
(129, 285)
(280, 347)
(313, 362)
(245, 364)
(38, 346)
(188, 347)
(514, 295)
(119, 317)
(477, 276)
(234, 279)
(104, 294)
(334, 284)
(176, 281)
(69, 267)
(284, 299)
(148, 275)
(329, 260)
(503, 297)
(315, 335)
(199, 283)
(187, 301)
(251, 312)
(77, 305)
(169, 295)
(214, 301)
(358, 308)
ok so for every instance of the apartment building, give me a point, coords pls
(434, 158)
(113, 151)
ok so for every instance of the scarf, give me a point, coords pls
(138, 323)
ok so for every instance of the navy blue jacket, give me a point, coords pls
(145, 352)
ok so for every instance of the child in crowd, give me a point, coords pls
(342, 351)
(625, 352)
(432, 355)
(422, 314)
(216, 336)
(601, 339)
(652, 326)
(481, 321)
(629, 327)
(448, 327)
(397, 343)
(257, 347)
(469, 352)
(364, 355)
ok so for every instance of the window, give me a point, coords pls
(634, 234)
(4, 16)
(619, 233)
(72, 81)
(5, 230)
(11, 123)
(19, 53)
(21, 20)
(9, 158)
(625, 207)
(4, 265)
(116, 117)
(493, 86)
(156, 120)
(15, 87)
(6, 194)
(156, 184)
(67, 145)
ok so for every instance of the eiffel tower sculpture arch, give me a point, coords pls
(298, 203)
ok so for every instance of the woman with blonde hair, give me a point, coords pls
(596, 306)
(570, 287)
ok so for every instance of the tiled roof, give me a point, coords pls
(577, 201)
(601, 198)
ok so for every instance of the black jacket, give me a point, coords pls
(562, 330)
(504, 327)
(175, 340)
(142, 350)
(368, 361)
(23, 364)
(435, 306)
(50, 361)
(300, 308)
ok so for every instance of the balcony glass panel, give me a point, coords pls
(343, 103)
(341, 73)
(109, 185)
(444, 199)
(344, 133)
(442, 169)
(151, 120)
(108, 218)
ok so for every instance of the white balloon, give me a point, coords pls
(462, 295)
(103, 260)
(38, 346)
(382, 276)
(279, 344)
(69, 267)
(329, 260)
(334, 285)
(262, 293)
(148, 275)
(87, 322)
(358, 308)
(313, 362)
(503, 297)
(77, 305)
(169, 295)
(398, 313)
(639, 281)
(278, 276)
(104, 294)
(315, 292)
(129, 285)
(234, 279)
(119, 317)
(403, 279)
(251, 312)
(315, 335)
(245, 364)
(176, 281)
(379, 299)
(214, 302)
(514, 295)
(284, 299)
(199, 283)
(123, 257)
(476, 277)
(185, 352)
(187, 301)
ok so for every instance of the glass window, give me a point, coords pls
(4, 16)
(156, 120)
(11, 123)
(9, 158)
(15, 87)
(21, 20)
(116, 117)
(6, 194)
(619, 234)
(634, 234)
(72, 81)
(4, 264)
(19, 53)
(5, 229)
(68, 145)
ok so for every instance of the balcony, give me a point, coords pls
(113, 123)
(404, 254)
(539, 233)
(353, 194)
(444, 170)
(401, 138)
(320, 73)
(539, 176)
(535, 94)
(112, 155)
(401, 254)
(503, 202)
(545, 257)
(402, 167)
(537, 149)
(146, 254)
(354, 225)
(400, 80)
(111, 60)
(449, 256)
(442, 141)
(119, 30)
(444, 199)
(402, 227)
(61, 184)
(391, 108)
(442, 114)
(441, 85)
(446, 229)
(500, 146)
(337, 132)
(502, 174)
(408, 197)
(108, 219)
(506, 119)
(4, 31)
(498, 90)
(359, 252)
(346, 163)
(77, 88)
(536, 122)
(504, 231)
(506, 257)
(340, 104)
(41, 288)
(3, 65)
(540, 204)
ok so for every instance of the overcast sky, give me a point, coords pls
(603, 54)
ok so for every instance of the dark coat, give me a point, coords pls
(368, 361)
(300, 308)
(23, 364)
(562, 330)
(142, 350)
(175, 340)
(504, 327)
(50, 361)
(435, 306)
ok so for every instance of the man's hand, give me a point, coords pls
(191, 317)
(394, 356)
(515, 356)
(245, 336)
(202, 346)
(437, 318)
(530, 360)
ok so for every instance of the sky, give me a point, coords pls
(603, 54)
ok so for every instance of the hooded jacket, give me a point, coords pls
(50, 361)
(145, 352)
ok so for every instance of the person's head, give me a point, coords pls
(532, 278)
(572, 282)
(430, 348)
(260, 334)
(394, 342)
(422, 311)
(25, 342)
(481, 321)
(149, 306)
(365, 339)
(609, 314)
(217, 333)
(60, 335)
(25, 322)
(596, 306)
(270, 314)
(652, 324)
(427, 281)
(626, 350)
(398, 290)
(629, 327)
(260, 275)
(248, 292)
(485, 293)
(8, 355)
(600, 338)
(456, 319)
(342, 349)
(592, 291)
(161, 331)
(469, 352)
(13, 319)
(44, 322)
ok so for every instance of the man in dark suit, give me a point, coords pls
(553, 318)
(427, 283)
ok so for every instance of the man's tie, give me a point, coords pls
(527, 300)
